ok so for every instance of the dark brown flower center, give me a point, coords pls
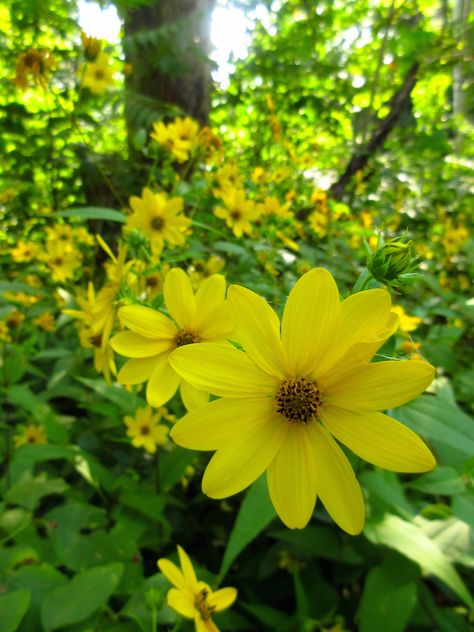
(236, 214)
(186, 337)
(201, 605)
(298, 400)
(157, 223)
(145, 430)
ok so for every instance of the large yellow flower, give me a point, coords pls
(191, 598)
(197, 318)
(160, 220)
(288, 393)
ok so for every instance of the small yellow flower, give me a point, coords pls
(271, 207)
(145, 429)
(318, 223)
(408, 346)
(154, 337)
(91, 46)
(296, 386)
(407, 323)
(35, 63)
(194, 599)
(24, 251)
(61, 260)
(180, 137)
(238, 212)
(4, 332)
(160, 219)
(14, 319)
(258, 175)
(45, 321)
(98, 75)
(30, 434)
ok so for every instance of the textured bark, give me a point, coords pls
(361, 156)
(186, 81)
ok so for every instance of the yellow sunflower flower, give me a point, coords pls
(30, 434)
(287, 394)
(191, 598)
(98, 75)
(407, 322)
(160, 220)
(145, 429)
(61, 260)
(24, 251)
(197, 318)
(238, 212)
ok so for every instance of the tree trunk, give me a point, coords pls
(168, 43)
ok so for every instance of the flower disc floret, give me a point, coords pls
(298, 400)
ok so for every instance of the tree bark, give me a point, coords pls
(167, 44)
(361, 156)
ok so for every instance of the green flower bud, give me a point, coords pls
(393, 262)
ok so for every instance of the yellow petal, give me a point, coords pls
(338, 488)
(310, 320)
(163, 383)
(209, 296)
(235, 467)
(218, 423)
(204, 625)
(147, 322)
(182, 603)
(223, 598)
(132, 345)
(257, 329)
(187, 568)
(379, 386)
(192, 397)
(137, 370)
(363, 315)
(222, 370)
(379, 439)
(174, 575)
(179, 298)
(292, 479)
(218, 326)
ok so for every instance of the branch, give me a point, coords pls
(361, 156)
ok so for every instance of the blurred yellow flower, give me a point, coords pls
(145, 429)
(286, 397)
(61, 260)
(4, 332)
(24, 251)
(30, 434)
(98, 75)
(194, 599)
(180, 137)
(160, 219)
(238, 211)
(45, 321)
(35, 63)
(407, 323)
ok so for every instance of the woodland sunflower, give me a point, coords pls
(153, 337)
(160, 219)
(191, 598)
(285, 399)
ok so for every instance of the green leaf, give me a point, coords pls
(16, 286)
(319, 542)
(255, 513)
(407, 538)
(446, 426)
(28, 492)
(13, 606)
(82, 596)
(444, 481)
(27, 456)
(389, 596)
(93, 212)
(116, 393)
(172, 466)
